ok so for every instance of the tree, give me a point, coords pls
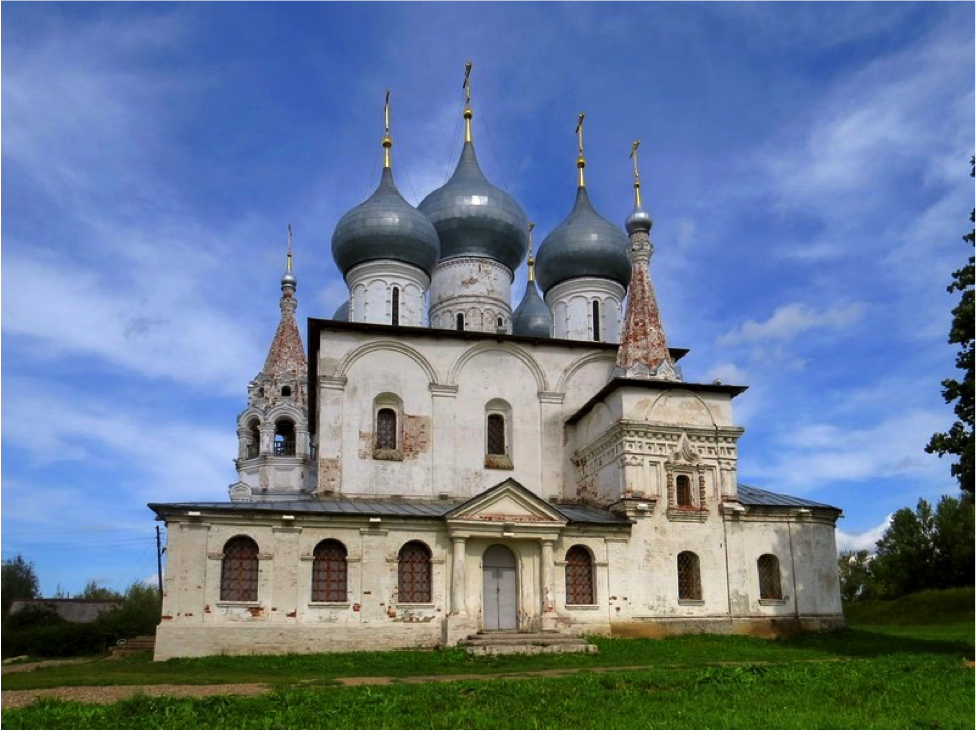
(18, 581)
(94, 592)
(905, 560)
(958, 440)
(856, 579)
(953, 539)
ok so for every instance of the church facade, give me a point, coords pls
(441, 465)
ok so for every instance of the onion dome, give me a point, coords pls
(472, 216)
(584, 245)
(639, 219)
(342, 312)
(532, 317)
(385, 226)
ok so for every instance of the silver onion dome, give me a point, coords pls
(638, 220)
(532, 317)
(475, 218)
(288, 279)
(342, 312)
(385, 226)
(584, 245)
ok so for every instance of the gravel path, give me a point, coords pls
(26, 667)
(113, 693)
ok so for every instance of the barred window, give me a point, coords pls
(496, 434)
(414, 574)
(284, 439)
(683, 492)
(329, 572)
(770, 586)
(579, 576)
(386, 429)
(395, 315)
(689, 576)
(239, 571)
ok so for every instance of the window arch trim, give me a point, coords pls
(415, 574)
(239, 572)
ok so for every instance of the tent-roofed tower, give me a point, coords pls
(483, 238)
(583, 267)
(386, 250)
(274, 451)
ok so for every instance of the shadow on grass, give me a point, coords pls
(862, 642)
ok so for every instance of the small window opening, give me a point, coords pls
(395, 310)
(496, 434)
(596, 321)
(386, 429)
(579, 576)
(683, 496)
(499, 322)
(286, 391)
(460, 321)
(284, 439)
(689, 577)
(770, 586)
(253, 439)
(261, 391)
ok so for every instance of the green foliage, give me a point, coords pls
(856, 579)
(18, 580)
(932, 607)
(137, 614)
(95, 593)
(958, 441)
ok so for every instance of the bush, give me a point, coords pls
(59, 639)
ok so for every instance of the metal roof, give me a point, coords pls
(755, 496)
(380, 508)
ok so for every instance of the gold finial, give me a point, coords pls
(531, 261)
(468, 114)
(633, 156)
(580, 160)
(288, 258)
(387, 140)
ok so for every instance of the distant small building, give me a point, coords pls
(80, 611)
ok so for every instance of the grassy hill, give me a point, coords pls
(936, 606)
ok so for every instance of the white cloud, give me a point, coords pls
(727, 373)
(864, 540)
(790, 320)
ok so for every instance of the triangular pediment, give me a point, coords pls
(507, 502)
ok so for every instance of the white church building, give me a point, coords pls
(443, 469)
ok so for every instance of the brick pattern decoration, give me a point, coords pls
(329, 579)
(579, 576)
(414, 574)
(287, 355)
(239, 571)
(642, 340)
(689, 577)
(770, 586)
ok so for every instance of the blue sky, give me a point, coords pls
(807, 166)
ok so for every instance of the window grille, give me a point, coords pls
(596, 321)
(284, 447)
(579, 576)
(460, 321)
(689, 576)
(386, 429)
(770, 586)
(413, 575)
(684, 492)
(395, 316)
(496, 434)
(239, 571)
(329, 572)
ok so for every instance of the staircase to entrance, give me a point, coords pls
(525, 643)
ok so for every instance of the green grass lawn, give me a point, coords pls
(881, 675)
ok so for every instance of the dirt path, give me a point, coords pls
(26, 667)
(113, 693)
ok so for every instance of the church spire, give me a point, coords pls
(387, 140)
(287, 354)
(643, 351)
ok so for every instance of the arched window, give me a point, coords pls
(253, 439)
(239, 571)
(414, 574)
(329, 572)
(579, 576)
(386, 429)
(284, 438)
(286, 391)
(689, 577)
(499, 323)
(395, 307)
(596, 320)
(770, 586)
(459, 320)
(496, 434)
(683, 491)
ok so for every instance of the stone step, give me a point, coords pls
(519, 635)
(515, 640)
(528, 649)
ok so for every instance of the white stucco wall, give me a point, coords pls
(371, 288)
(480, 289)
(571, 304)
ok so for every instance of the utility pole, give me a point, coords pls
(159, 567)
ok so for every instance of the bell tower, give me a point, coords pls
(274, 458)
